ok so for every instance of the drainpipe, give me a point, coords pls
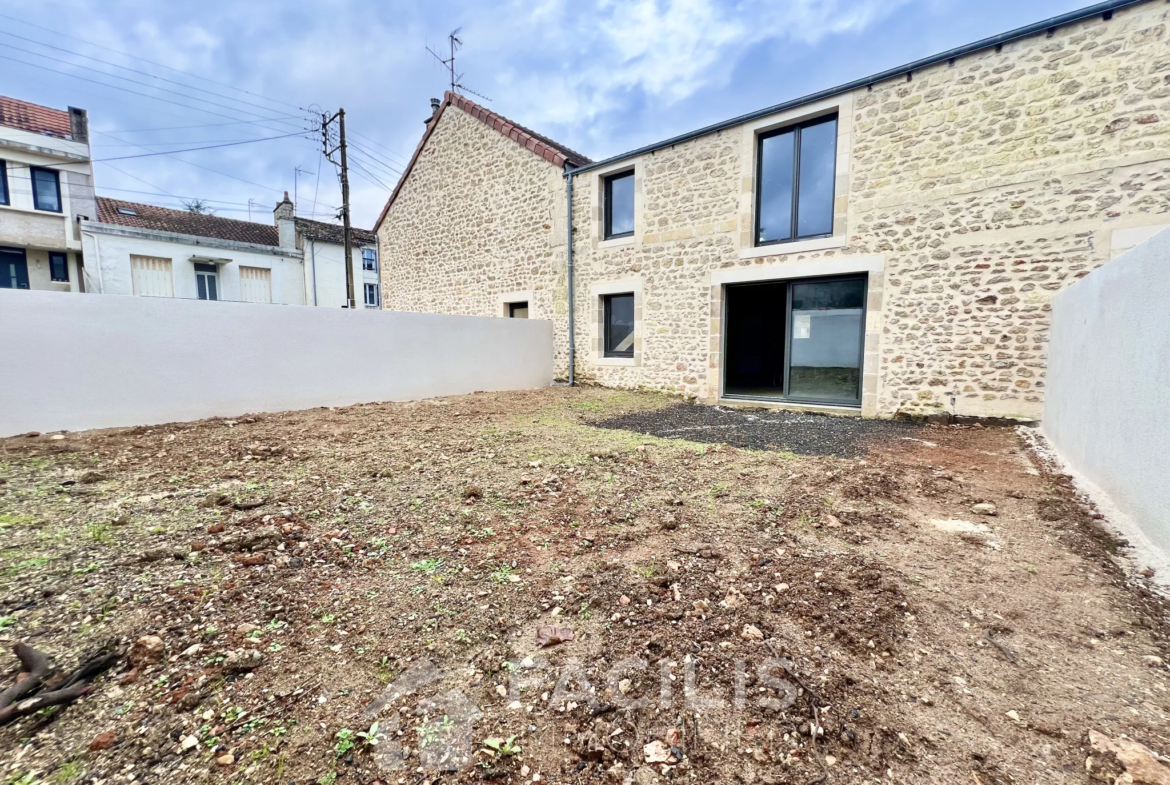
(572, 331)
(313, 262)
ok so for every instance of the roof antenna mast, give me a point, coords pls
(454, 42)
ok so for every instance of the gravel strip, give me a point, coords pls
(804, 433)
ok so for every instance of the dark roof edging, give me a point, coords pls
(902, 70)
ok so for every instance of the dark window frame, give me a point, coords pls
(373, 259)
(798, 128)
(64, 259)
(607, 228)
(32, 177)
(607, 336)
(4, 197)
(512, 307)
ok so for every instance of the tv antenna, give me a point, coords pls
(454, 42)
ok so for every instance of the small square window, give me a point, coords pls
(369, 259)
(619, 325)
(46, 187)
(58, 267)
(518, 310)
(371, 293)
(619, 205)
(3, 183)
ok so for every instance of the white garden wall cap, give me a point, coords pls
(1105, 8)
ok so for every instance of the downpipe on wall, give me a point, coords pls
(569, 239)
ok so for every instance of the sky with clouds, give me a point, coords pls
(601, 76)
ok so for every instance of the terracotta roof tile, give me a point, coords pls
(35, 118)
(164, 219)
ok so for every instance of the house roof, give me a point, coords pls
(553, 152)
(332, 233)
(164, 219)
(1103, 9)
(35, 118)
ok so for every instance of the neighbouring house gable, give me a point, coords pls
(476, 224)
(555, 153)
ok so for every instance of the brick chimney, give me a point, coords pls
(79, 124)
(283, 217)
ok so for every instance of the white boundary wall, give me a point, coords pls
(1107, 406)
(74, 362)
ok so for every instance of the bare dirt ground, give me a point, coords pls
(730, 615)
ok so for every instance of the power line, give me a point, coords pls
(144, 95)
(151, 62)
(198, 166)
(370, 175)
(180, 127)
(379, 170)
(188, 150)
(128, 90)
(383, 163)
(134, 71)
(388, 151)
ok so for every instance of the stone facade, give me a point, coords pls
(968, 193)
(478, 223)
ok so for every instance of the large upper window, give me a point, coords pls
(369, 259)
(795, 173)
(619, 325)
(619, 205)
(46, 189)
(3, 183)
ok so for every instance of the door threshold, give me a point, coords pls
(774, 403)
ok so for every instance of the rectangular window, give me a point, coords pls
(46, 187)
(518, 310)
(58, 267)
(3, 183)
(13, 269)
(369, 259)
(795, 178)
(371, 291)
(207, 281)
(619, 325)
(619, 205)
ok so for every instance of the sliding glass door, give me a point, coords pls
(800, 340)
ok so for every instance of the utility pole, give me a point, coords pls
(326, 121)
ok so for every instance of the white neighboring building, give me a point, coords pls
(145, 250)
(46, 187)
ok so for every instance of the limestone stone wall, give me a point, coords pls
(971, 192)
(479, 221)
